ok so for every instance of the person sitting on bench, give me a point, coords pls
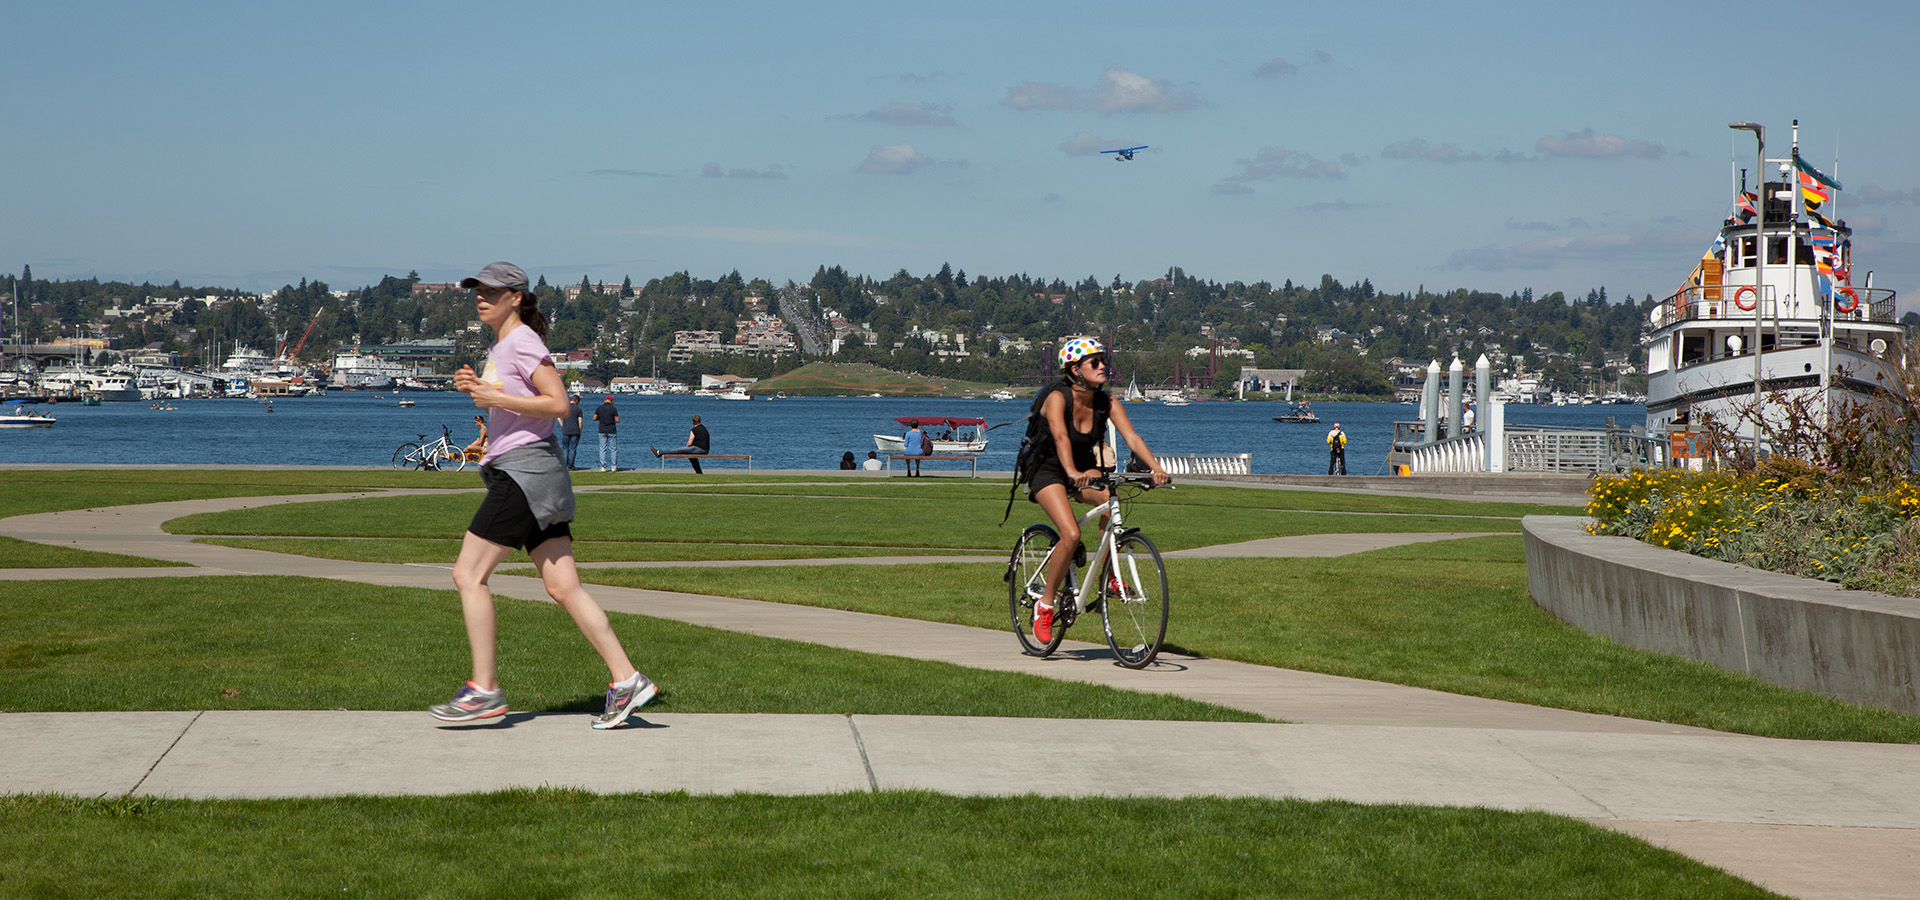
(697, 444)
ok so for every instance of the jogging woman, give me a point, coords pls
(529, 500)
(1076, 410)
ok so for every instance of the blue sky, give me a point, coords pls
(1494, 146)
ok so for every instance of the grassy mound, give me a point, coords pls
(832, 379)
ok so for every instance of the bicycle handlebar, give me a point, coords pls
(1112, 479)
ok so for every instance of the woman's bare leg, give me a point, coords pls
(478, 557)
(554, 560)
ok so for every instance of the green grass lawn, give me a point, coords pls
(896, 844)
(430, 550)
(1452, 615)
(769, 518)
(19, 554)
(294, 643)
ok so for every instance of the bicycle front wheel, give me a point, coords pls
(403, 457)
(1133, 602)
(1026, 582)
(453, 457)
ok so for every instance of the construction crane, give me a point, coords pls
(303, 338)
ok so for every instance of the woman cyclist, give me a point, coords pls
(1076, 409)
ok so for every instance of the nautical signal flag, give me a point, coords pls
(1745, 202)
(1815, 188)
(1812, 192)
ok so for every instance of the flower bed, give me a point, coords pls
(1782, 516)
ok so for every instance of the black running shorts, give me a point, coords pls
(505, 518)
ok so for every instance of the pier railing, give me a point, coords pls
(1207, 463)
(1533, 448)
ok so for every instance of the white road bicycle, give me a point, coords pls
(1132, 595)
(437, 454)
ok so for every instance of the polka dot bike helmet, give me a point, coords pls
(1078, 349)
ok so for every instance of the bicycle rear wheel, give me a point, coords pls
(1133, 602)
(1026, 581)
(403, 457)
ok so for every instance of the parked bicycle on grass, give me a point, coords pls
(432, 455)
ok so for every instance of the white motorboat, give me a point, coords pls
(739, 392)
(1002, 394)
(20, 418)
(1822, 341)
(952, 435)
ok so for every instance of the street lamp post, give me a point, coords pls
(1759, 267)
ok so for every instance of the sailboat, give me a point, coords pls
(1134, 394)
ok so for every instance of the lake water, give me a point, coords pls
(360, 428)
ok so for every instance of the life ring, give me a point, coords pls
(1850, 303)
(1746, 297)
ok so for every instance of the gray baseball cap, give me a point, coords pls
(500, 274)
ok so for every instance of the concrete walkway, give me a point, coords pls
(1811, 819)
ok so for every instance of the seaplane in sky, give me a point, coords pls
(1126, 154)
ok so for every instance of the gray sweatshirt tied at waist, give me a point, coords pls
(542, 476)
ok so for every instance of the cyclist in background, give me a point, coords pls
(1076, 410)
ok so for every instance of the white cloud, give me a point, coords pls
(1117, 91)
(1123, 91)
(1274, 68)
(1418, 148)
(1279, 162)
(1035, 95)
(1585, 143)
(894, 159)
(911, 114)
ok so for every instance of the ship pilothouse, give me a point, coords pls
(1774, 298)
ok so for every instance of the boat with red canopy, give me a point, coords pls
(951, 435)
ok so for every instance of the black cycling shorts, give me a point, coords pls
(506, 518)
(1050, 472)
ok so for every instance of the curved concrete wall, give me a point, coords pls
(1858, 646)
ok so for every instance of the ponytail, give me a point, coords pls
(531, 316)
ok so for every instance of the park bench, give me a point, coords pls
(973, 462)
(703, 457)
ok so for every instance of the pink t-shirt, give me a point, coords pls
(510, 366)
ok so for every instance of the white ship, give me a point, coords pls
(1823, 340)
(362, 372)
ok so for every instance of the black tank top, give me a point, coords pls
(1082, 443)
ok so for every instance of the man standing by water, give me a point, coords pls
(570, 430)
(1336, 450)
(609, 419)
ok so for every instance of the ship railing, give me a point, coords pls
(1712, 302)
(1206, 463)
